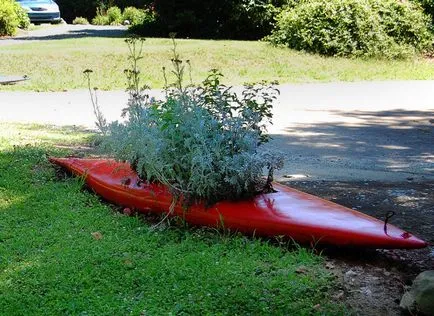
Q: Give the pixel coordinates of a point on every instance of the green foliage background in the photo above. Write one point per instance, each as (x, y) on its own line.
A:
(254, 19)
(372, 28)
(242, 19)
(12, 16)
(70, 9)
(428, 6)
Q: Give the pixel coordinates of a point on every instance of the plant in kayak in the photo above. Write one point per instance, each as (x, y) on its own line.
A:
(200, 141)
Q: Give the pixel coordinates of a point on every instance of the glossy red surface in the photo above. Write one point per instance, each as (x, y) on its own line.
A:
(289, 212)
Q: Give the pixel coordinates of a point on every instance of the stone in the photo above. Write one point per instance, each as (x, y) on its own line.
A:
(420, 298)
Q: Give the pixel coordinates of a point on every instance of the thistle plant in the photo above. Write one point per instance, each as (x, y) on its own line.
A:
(101, 122)
(201, 141)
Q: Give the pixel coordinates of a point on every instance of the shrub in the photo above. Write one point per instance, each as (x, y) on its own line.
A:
(80, 20)
(428, 6)
(201, 142)
(137, 16)
(381, 28)
(241, 19)
(23, 17)
(88, 8)
(101, 18)
(114, 16)
(12, 16)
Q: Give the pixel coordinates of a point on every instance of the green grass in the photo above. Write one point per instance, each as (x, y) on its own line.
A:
(57, 65)
(51, 263)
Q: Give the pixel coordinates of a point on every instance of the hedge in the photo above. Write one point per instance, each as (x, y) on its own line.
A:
(380, 28)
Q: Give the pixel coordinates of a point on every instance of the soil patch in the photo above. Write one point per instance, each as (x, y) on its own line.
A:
(373, 281)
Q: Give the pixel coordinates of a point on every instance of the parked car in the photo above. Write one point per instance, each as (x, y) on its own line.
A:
(41, 10)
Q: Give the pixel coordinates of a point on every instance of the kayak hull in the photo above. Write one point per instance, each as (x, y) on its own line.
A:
(305, 218)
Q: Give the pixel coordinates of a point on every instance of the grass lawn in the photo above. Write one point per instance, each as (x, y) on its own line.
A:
(57, 65)
(63, 251)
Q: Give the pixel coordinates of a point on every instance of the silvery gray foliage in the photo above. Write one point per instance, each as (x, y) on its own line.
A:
(202, 142)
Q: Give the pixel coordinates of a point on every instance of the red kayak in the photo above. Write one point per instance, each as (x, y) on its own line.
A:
(303, 217)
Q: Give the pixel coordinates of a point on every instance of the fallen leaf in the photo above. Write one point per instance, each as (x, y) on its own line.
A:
(97, 235)
(301, 270)
(317, 306)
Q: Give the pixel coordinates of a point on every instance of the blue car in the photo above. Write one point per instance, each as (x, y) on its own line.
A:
(41, 10)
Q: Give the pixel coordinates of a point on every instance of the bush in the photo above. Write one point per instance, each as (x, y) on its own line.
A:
(70, 9)
(137, 16)
(242, 19)
(101, 18)
(80, 20)
(23, 17)
(12, 16)
(428, 6)
(201, 142)
(380, 28)
(114, 16)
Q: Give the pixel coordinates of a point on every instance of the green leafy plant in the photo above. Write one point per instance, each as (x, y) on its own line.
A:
(80, 20)
(372, 28)
(88, 8)
(12, 17)
(137, 16)
(202, 142)
(101, 18)
(114, 15)
(428, 6)
(23, 17)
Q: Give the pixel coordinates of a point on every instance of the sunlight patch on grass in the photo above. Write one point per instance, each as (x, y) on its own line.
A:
(12, 134)
(7, 200)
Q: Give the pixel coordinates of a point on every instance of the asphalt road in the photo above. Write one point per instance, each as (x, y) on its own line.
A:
(380, 131)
